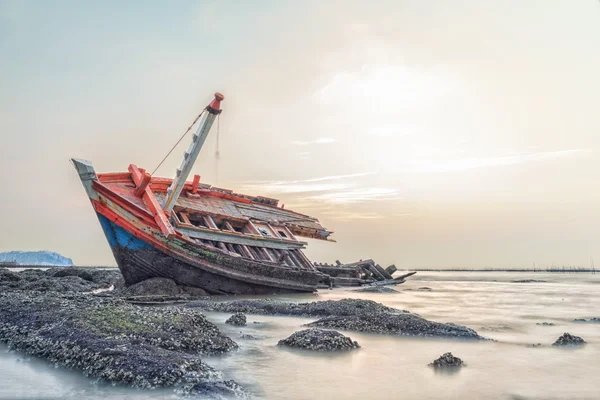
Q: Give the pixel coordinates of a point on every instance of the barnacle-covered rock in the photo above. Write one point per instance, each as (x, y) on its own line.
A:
(447, 360)
(568, 340)
(238, 319)
(319, 340)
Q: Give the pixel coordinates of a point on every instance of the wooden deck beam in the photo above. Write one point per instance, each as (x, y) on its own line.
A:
(157, 212)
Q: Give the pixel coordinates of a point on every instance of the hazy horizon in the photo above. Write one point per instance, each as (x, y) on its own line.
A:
(423, 133)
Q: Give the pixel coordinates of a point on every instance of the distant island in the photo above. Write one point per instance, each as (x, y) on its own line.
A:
(17, 259)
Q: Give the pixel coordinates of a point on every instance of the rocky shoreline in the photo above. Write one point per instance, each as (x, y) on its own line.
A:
(85, 319)
(109, 339)
(63, 280)
(347, 314)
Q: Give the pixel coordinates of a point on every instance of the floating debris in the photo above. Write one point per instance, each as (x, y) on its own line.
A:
(528, 281)
(545, 323)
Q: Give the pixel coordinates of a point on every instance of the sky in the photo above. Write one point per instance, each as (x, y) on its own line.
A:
(428, 134)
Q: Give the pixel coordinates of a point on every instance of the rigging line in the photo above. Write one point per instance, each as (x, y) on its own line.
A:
(180, 139)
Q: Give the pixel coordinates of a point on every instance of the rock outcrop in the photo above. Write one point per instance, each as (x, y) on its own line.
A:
(568, 340)
(160, 287)
(319, 340)
(237, 319)
(314, 309)
(404, 324)
(447, 360)
(587, 320)
(347, 314)
(109, 339)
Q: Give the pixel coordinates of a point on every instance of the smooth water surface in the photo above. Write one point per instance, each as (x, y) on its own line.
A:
(387, 367)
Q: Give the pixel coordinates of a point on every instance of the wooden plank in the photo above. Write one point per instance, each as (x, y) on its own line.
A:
(236, 238)
(210, 222)
(289, 233)
(229, 227)
(266, 254)
(303, 260)
(141, 187)
(185, 218)
(288, 260)
(274, 231)
(246, 252)
(371, 268)
(222, 246)
(296, 259)
(155, 209)
(195, 184)
(252, 228)
(383, 272)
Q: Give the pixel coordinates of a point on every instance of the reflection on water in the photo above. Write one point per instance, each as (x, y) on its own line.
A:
(397, 367)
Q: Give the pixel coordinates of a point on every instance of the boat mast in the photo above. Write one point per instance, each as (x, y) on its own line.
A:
(189, 157)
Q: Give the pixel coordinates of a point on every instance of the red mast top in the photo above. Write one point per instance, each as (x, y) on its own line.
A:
(216, 103)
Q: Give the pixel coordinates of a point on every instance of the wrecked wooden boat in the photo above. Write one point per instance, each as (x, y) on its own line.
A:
(200, 235)
(361, 273)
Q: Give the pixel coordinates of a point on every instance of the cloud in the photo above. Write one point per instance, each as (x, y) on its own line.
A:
(349, 215)
(464, 164)
(303, 186)
(357, 195)
(324, 140)
(333, 190)
(382, 86)
(283, 184)
(392, 131)
(296, 187)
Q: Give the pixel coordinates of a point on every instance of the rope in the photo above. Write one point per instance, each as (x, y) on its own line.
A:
(180, 139)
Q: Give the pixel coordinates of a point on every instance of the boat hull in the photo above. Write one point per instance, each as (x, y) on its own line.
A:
(146, 245)
(138, 261)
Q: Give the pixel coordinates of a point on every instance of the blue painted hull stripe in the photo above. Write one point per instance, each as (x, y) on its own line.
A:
(118, 237)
